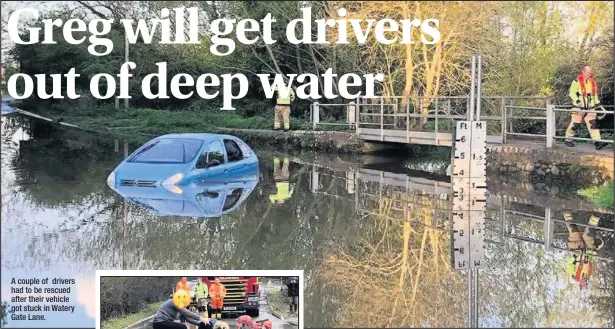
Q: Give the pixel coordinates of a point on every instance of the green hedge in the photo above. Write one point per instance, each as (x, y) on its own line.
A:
(601, 195)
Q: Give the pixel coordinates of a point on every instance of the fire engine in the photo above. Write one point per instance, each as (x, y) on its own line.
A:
(241, 295)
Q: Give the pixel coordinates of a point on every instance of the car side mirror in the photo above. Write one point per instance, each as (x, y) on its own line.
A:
(213, 163)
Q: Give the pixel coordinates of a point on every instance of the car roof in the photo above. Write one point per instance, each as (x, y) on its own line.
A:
(200, 136)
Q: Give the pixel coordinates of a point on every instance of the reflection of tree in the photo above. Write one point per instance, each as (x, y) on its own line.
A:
(601, 295)
(69, 166)
(525, 286)
(398, 273)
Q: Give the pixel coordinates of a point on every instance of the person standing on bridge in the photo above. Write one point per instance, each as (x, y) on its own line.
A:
(200, 294)
(217, 292)
(584, 96)
(283, 100)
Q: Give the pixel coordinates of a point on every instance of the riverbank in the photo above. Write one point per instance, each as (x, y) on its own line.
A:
(525, 160)
(141, 124)
(131, 319)
(278, 304)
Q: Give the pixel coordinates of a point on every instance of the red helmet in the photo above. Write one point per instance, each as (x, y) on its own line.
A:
(245, 321)
(267, 324)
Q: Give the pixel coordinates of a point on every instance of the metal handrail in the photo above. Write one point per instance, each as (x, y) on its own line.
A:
(393, 116)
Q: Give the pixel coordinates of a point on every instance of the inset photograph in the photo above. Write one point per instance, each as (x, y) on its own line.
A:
(199, 299)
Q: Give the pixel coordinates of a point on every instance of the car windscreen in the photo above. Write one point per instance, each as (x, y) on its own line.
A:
(168, 151)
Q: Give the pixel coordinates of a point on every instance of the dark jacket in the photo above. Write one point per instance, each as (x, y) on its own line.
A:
(168, 312)
(293, 287)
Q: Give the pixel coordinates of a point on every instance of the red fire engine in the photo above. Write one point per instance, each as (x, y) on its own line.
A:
(241, 295)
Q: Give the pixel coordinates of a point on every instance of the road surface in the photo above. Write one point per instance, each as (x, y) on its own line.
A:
(264, 314)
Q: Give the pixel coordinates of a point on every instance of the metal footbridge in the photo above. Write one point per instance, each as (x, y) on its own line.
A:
(510, 120)
(523, 120)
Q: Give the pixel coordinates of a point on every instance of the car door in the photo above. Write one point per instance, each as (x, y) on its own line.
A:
(211, 164)
(236, 159)
(211, 201)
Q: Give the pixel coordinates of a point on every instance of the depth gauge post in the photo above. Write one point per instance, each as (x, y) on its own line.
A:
(468, 178)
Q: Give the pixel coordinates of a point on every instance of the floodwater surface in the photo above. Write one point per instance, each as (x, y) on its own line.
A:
(372, 233)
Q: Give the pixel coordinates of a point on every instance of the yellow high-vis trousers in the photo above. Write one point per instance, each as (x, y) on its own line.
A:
(576, 119)
(284, 112)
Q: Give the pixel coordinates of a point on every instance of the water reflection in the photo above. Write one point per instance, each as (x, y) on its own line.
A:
(404, 257)
(203, 198)
(374, 242)
(281, 175)
(579, 265)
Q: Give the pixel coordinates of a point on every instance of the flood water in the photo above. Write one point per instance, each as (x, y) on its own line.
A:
(372, 234)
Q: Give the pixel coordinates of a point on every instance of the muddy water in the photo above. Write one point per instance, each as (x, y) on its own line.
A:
(371, 233)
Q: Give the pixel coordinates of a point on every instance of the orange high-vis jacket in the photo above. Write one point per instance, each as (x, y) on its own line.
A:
(182, 285)
(217, 291)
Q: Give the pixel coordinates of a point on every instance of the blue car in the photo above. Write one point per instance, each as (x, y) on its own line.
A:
(199, 199)
(181, 162)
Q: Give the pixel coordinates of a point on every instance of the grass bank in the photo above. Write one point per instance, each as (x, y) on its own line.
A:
(124, 321)
(602, 196)
(143, 123)
(278, 303)
(152, 122)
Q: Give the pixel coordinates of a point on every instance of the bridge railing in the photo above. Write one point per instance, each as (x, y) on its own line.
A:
(336, 115)
(418, 121)
(556, 119)
(432, 121)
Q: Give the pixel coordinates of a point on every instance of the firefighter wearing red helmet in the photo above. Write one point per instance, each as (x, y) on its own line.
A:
(267, 324)
(245, 322)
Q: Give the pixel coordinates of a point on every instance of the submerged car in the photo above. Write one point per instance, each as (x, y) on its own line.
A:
(188, 174)
(200, 199)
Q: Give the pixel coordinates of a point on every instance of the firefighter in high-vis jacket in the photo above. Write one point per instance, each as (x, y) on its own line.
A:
(283, 99)
(584, 96)
(217, 292)
(281, 176)
(200, 294)
(579, 265)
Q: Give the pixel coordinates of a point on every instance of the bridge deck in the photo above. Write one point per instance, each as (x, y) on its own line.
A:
(413, 137)
(445, 139)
